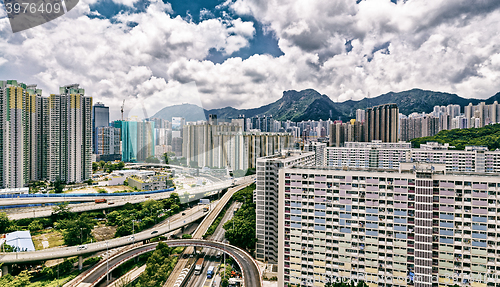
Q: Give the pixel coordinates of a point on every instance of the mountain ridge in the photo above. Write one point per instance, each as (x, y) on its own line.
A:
(309, 104)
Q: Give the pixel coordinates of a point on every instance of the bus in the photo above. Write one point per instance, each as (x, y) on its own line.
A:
(198, 267)
(210, 272)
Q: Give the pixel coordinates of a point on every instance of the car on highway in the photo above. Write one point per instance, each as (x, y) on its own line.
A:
(81, 247)
(154, 232)
(218, 255)
(131, 238)
(183, 213)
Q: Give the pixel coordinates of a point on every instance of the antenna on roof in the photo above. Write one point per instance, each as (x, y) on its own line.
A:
(123, 104)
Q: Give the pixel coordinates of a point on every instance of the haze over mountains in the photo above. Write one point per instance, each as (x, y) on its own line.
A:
(311, 105)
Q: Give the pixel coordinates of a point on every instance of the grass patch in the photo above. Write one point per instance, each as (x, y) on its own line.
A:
(217, 221)
(131, 264)
(52, 236)
(241, 195)
(63, 279)
(178, 250)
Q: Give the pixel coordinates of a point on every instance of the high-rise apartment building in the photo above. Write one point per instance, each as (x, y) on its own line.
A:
(42, 137)
(389, 155)
(100, 118)
(70, 135)
(266, 198)
(319, 150)
(138, 140)
(107, 143)
(226, 145)
(414, 226)
(375, 154)
(21, 124)
(448, 118)
(352, 131)
(382, 123)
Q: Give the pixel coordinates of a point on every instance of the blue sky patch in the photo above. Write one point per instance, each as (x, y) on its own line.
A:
(196, 11)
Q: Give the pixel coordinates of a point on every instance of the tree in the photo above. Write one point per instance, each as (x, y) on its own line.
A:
(152, 159)
(58, 186)
(187, 236)
(7, 248)
(35, 225)
(95, 166)
(152, 206)
(61, 211)
(76, 231)
(165, 158)
(21, 280)
(225, 273)
(4, 222)
(159, 266)
(242, 233)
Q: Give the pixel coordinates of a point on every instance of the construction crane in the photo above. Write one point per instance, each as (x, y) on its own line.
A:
(123, 104)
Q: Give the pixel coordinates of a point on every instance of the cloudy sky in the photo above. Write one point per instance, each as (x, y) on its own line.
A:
(245, 53)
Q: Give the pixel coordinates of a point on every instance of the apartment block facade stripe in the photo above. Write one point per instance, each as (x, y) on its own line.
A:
(43, 138)
(418, 225)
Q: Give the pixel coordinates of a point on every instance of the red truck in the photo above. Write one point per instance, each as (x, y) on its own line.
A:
(101, 200)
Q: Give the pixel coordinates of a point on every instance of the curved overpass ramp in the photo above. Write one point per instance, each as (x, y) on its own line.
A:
(249, 268)
(54, 253)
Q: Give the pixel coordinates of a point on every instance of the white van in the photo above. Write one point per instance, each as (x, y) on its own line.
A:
(81, 247)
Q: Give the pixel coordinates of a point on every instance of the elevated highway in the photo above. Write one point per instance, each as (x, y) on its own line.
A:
(96, 273)
(186, 195)
(62, 252)
(248, 266)
(200, 231)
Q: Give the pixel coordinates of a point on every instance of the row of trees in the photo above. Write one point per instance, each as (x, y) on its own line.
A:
(158, 267)
(486, 136)
(242, 173)
(77, 228)
(142, 216)
(107, 166)
(240, 230)
(21, 280)
(169, 158)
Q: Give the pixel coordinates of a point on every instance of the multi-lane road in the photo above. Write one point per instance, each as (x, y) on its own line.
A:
(53, 253)
(89, 279)
(210, 254)
(31, 212)
(244, 260)
(202, 229)
(251, 275)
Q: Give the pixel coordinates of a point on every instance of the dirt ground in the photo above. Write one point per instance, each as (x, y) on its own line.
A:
(109, 189)
(103, 232)
(49, 239)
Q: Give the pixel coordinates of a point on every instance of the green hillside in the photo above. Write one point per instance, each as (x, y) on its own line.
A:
(310, 105)
(487, 136)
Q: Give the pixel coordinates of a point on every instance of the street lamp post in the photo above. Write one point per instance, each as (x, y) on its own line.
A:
(133, 232)
(107, 261)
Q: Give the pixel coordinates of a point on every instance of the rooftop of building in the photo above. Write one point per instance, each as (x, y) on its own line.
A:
(405, 168)
(287, 154)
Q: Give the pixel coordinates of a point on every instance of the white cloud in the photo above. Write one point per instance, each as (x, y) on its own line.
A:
(448, 46)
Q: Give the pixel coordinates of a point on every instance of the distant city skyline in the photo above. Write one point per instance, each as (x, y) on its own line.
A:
(243, 54)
